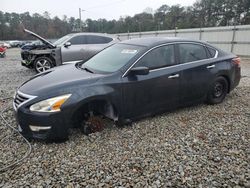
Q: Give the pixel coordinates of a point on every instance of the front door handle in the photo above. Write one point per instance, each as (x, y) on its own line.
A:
(210, 66)
(174, 76)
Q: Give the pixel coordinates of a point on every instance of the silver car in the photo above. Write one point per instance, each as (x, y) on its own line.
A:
(71, 48)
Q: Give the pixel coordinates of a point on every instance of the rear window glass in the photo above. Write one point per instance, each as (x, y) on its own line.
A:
(192, 52)
(98, 39)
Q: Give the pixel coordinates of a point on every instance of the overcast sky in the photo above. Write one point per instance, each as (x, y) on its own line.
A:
(109, 9)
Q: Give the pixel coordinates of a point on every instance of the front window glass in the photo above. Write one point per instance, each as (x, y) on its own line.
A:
(78, 40)
(113, 58)
(159, 57)
(62, 40)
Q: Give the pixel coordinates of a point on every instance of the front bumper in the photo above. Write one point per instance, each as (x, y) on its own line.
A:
(27, 64)
(44, 126)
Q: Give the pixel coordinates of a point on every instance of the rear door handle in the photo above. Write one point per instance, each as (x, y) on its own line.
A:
(174, 76)
(210, 66)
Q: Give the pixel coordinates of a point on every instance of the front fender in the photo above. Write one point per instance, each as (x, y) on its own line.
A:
(95, 93)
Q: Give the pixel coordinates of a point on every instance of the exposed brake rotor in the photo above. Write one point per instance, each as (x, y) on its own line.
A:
(93, 124)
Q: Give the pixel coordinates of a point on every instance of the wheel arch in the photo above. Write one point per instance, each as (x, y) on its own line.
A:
(99, 105)
(228, 81)
(48, 56)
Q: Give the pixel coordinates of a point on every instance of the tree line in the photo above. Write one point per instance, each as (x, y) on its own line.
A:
(203, 13)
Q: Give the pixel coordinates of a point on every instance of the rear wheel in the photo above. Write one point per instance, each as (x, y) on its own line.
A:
(217, 91)
(42, 64)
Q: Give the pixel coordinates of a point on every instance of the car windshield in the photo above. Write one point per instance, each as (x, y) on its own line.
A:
(113, 58)
(62, 40)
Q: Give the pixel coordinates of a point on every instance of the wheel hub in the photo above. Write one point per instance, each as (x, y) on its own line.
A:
(93, 124)
(218, 89)
(42, 65)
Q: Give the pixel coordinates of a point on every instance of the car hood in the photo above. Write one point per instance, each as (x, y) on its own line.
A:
(44, 41)
(58, 79)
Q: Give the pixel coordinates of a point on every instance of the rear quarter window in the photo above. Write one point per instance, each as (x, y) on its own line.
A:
(211, 51)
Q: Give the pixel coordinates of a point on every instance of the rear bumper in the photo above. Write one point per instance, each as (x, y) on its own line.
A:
(236, 76)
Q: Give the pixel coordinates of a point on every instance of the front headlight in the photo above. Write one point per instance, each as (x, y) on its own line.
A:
(50, 105)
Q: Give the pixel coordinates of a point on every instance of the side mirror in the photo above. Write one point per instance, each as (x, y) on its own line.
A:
(139, 70)
(67, 44)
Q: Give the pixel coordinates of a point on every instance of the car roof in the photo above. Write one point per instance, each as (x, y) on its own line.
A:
(154, 41)
(94, 34)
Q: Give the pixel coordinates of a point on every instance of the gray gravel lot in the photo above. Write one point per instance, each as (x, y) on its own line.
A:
(199, 146)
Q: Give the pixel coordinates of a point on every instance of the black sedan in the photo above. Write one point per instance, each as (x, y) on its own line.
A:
(127, 81)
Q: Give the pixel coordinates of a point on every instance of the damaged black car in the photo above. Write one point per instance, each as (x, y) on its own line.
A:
(127, 81)
(68, 49)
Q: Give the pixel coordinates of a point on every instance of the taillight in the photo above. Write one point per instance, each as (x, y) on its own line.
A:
(236, 61)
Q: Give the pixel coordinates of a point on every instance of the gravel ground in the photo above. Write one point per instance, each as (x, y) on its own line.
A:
(199, 146)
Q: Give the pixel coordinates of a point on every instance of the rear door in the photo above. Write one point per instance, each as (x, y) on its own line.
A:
(198, 70)
(157, 91)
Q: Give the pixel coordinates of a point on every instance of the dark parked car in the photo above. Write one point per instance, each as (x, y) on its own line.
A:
(127, 81)
(15, 43)
(33, 45)
(68, 49)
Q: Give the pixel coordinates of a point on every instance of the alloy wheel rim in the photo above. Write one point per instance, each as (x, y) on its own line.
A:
(218, 89)
(42, 65)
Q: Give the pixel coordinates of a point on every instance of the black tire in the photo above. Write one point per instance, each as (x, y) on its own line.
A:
(218, 91)
(42, 64)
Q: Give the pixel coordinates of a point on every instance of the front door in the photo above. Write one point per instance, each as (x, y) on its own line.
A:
(157, 91)
(75, 51)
